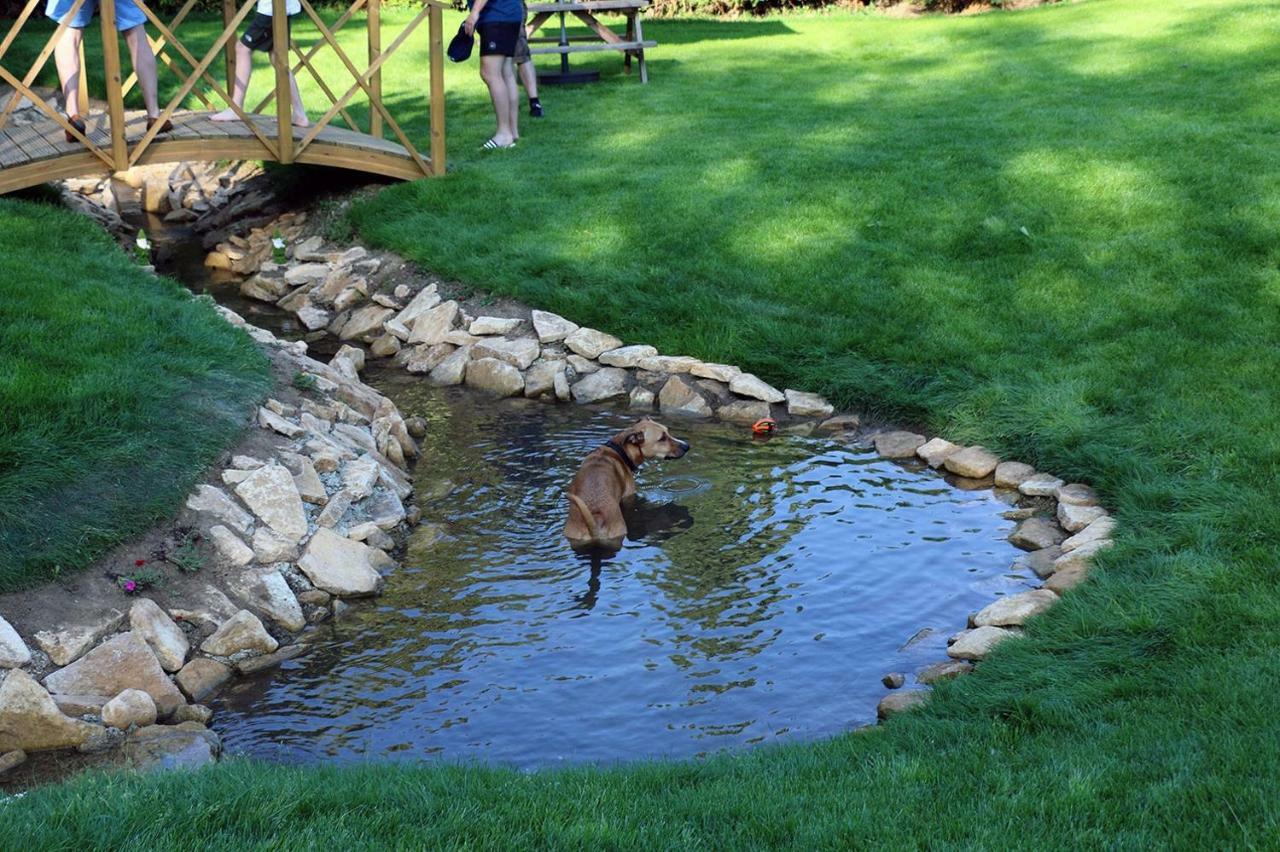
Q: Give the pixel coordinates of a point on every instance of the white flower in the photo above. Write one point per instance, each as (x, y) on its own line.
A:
(277, 242)
(142, 242)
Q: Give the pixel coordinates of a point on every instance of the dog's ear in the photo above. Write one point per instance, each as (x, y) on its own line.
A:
(636, 437)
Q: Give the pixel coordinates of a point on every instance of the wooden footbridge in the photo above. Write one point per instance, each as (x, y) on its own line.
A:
(35, 151)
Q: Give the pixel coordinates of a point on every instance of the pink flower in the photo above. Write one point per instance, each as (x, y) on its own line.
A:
(130, 586)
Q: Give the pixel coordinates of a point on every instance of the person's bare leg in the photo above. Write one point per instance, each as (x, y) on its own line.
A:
(299, 114)
(491, 71)
(144, 65)
(515, 113)
(513, 95)
(66, 55)
(244, 67)
(529, 77)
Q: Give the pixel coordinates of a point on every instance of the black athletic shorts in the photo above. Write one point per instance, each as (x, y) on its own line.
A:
(259, 35)
(498, 38)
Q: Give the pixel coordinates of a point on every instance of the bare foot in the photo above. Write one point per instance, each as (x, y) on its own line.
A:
(227, 114)
(301, 121)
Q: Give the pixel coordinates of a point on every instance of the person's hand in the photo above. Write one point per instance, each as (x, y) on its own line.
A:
(470, 24)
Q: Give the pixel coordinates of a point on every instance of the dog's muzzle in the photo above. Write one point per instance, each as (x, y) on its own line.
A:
(682, 446)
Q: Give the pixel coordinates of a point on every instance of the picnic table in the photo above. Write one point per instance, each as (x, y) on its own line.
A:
(631, 41)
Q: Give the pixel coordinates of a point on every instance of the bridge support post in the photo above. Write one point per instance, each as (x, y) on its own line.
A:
(435, 26)
(284, 93)
(375, 50)
(229, 52)
(115, 93)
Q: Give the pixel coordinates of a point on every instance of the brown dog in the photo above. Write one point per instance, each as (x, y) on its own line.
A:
(607, 477)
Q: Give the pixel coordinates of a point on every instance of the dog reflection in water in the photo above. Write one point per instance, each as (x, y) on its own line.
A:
(647, 522)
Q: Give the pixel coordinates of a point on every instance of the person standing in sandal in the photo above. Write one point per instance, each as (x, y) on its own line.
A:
(259, 36)
(131, 22)
(497, 25)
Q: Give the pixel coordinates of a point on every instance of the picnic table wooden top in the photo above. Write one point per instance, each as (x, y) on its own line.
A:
(589, 6)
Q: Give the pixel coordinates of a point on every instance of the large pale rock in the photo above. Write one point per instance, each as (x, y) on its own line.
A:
(668, 363)
(936, 451)
(425, 358)
(1075, 518)
(494, 377)
(1099, 530)
(403, 322)
(972, 462)
(453, 369)
(745, 384)
(976, 644)
(270, 547)
(1080, 557)
(590, 343)
(68, 644)
(339, 566)
(1040, 485)
(265, 591)
(206, 606)
(746, 411)
(519, 353)
(582, 366)
(1036, 533)
(241, 632)
(122, 662)
(366, 322)
(601, 385)
(1012, 474)
(627, 357)
(1076, 494)
(306, 273)
(130, 707)
(359, 476)
(230, 548)
(552, 327)
(212, 502)
(31, 721)
(677, 397)
(188, 745)
(1014, 610)
(717, 372)
(898, 702)
(202, 677)
(642, 399)
(540, 378)
(13, 651)
(434, 324)
(898, 445)
(802, 404)
(481, 326)
(162, 635)
(271, 495)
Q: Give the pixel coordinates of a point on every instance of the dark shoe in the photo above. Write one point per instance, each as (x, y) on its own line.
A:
(164, 128)
(535, 110)
(78, 123)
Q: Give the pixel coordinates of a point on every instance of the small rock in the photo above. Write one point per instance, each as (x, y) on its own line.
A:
(417, 426)
(267, 661)
(677, 397)
(1012, 474)
(944, 671)
(717, 372)
(306, 273)
(746, 411)
(425, 358)
(130, 707)
(1099, 530)
(494, 325)
(13, 651)
(366, 322)
(385, 346)
(494, 377)
(230, 548)
(745, 384)
(551, 327)
(1040, 485)
(272, 496)
(601, 385)
(194, 713)
(840, 423)
(1041, 562)
(1036, 533)
(434, 324)
(270, 547)
(208, 500)
(801, 404)
(264, 590)
(270, 420)
(242, 632)
(1067, 579)
(1074, 518)
(339, 566)
(582, 366)
(426, 299)
(563, 392)
(898, 445)
(1076, 495)
(11, 760)
(307, 481)
(202, 678)
(590, 343)
(976, 644)
(642, 398)
(314, 597)
(972, 462)
(899, 702)
(1014, 610)
(162, 635)
(518, 353)
(453, 369)
(627, 357)
(936, 451)
(674, 364)
(894, 680)
(1081, 556)
(540, 378)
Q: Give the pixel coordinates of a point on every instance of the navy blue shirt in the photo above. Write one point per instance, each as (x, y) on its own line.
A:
(500, 11)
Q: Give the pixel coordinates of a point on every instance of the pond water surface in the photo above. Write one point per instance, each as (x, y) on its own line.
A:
(764, 590)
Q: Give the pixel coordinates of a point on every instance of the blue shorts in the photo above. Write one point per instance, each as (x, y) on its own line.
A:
(128, 15)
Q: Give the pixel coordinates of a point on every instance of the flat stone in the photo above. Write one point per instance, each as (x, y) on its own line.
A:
(355, 438)
(12, 760)
(306, 273)
(162, 635)
(130, 707)
(627, 357)
(1076, 494)
(458, 337)
(453, 369)
(899, 702)
(1099, 530)
(1074, 518)
(213, 502)
(365, 322)
(339, 566)
(307, 481)
(425, 358)
(494, 377)
(540, 378)
(122, 662)
(206, 606)
(434, 324)
(31, 721)
(271, 495)
(268, 661)
(81, 705)
(385, 510)
(195, 712)
(1012, 474)
(188, 745)
(840, 423)
(13, 651)
(1036, 533)
(1014, 610)
(270, 547)
(717, 372)
(944, 671)
(241, 632)
(976, 644)
(745, 411)
(270, 420)
(582, 366)
(675, 364)
(313, 318)
(1041, 562)
(1040, 485)
(334, 510)
(601, 385)
(229, 547)
(898, 445)
(68, 644)
(264, 289)
(384, 346)
(1067, 579)
(493, 325)
(426, 299)
(265, 591)
(802, 404)
(590, 343)
(314, 597)
(642, 399)
(936, 451)
(552, 327)
(563, 393)
(1081, 556)
(202, 678)
(677, 397)
(745, 384)
(972, 462)
(519, 353)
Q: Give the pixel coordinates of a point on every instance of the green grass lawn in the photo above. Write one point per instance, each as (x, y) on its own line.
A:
(116, 392)
(1056, 232)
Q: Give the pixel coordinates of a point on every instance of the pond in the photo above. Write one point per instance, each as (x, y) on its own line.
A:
(764, 590)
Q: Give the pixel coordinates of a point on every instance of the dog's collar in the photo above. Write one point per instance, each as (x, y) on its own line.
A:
(622, 454)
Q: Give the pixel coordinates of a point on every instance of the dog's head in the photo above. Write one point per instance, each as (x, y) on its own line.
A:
(653, 440)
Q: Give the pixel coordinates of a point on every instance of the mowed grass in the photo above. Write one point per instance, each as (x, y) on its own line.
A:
(116, 390)
(1056, 232)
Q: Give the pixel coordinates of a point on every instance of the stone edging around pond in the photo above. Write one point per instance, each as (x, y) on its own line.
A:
(297, 533)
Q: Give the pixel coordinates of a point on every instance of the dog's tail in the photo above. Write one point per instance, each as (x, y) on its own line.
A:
(587, 518)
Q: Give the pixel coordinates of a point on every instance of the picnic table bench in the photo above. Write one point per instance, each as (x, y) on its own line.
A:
(631, 42)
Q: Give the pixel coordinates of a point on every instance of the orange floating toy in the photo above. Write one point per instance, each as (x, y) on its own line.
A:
(764, 426)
